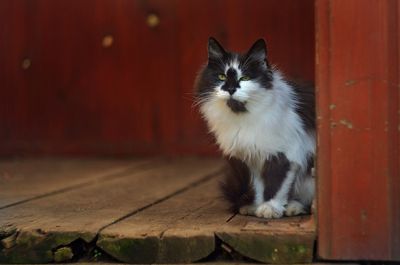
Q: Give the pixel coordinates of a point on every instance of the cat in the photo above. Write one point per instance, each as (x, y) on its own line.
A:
(265, 125)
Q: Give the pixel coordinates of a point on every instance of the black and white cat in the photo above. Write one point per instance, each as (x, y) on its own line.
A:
(265, 125)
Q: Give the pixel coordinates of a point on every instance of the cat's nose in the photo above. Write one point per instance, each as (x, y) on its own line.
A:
(231, 90)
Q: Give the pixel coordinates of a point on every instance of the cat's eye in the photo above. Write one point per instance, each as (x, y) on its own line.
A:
(222, 77)
(244, 78)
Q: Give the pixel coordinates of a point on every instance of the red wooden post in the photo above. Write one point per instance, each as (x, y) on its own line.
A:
(358, 89)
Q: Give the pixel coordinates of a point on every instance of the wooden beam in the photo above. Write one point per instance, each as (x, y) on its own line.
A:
(358, 121)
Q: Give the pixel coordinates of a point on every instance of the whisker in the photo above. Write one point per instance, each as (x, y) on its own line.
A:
(198, 101)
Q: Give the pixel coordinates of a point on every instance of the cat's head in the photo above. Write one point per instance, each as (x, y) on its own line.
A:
(234, 78)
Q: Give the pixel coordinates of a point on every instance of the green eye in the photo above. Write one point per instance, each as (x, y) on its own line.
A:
(244, 78)
(222, 77)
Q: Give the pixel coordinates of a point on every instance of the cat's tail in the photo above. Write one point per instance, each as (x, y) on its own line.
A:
(236, 186)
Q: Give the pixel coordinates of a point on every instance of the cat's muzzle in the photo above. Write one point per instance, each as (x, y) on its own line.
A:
(236, 105)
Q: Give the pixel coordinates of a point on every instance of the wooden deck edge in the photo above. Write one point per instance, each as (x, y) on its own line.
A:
(271, 248)
(158, 249)
(40, 246)
(262, 247)
(37, 246)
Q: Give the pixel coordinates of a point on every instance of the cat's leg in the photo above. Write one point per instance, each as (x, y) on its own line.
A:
(306, 191)
(258, 187)
(303, 195)
(275, 207)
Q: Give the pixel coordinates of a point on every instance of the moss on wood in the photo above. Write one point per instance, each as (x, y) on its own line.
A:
(7, 230)
(176, 249)
(10, 241)
(36, 246)
(171, 249)
(270, 248)
(138, 250)
(63, 254)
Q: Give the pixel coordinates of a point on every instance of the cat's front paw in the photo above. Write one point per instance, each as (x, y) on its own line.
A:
(295, 208)
(270, 209)
(248, 210)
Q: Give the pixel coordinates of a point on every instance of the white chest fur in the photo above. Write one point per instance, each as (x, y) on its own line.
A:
(270, 125)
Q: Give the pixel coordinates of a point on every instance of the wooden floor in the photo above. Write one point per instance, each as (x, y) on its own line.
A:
(134, 211)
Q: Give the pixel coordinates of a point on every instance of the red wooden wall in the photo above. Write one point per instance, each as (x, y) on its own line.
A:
(63, 92)
(358, 94)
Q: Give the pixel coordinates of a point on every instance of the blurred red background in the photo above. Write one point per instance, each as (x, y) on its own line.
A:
(115, 77)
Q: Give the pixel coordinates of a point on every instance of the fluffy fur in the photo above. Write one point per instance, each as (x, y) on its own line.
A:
(265, 125)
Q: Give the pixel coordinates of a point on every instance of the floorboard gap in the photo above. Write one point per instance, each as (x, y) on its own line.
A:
(230, 218)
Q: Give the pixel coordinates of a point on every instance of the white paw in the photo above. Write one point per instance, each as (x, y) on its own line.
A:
(270, 209)
(294, 208)
(247, 210)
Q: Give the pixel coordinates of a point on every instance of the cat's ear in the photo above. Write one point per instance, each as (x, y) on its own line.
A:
(258, 51)
(215, 49)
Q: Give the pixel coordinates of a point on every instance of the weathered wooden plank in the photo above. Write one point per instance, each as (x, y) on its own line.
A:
(21, 180)
(178, 230)
(44, 224)
(284, 241)
(182, 229)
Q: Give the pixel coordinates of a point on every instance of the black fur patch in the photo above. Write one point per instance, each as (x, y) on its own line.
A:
(236, 187)
(310, 165)
(306, 103)
(232, 83)
(236, 106)
(273, 174)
